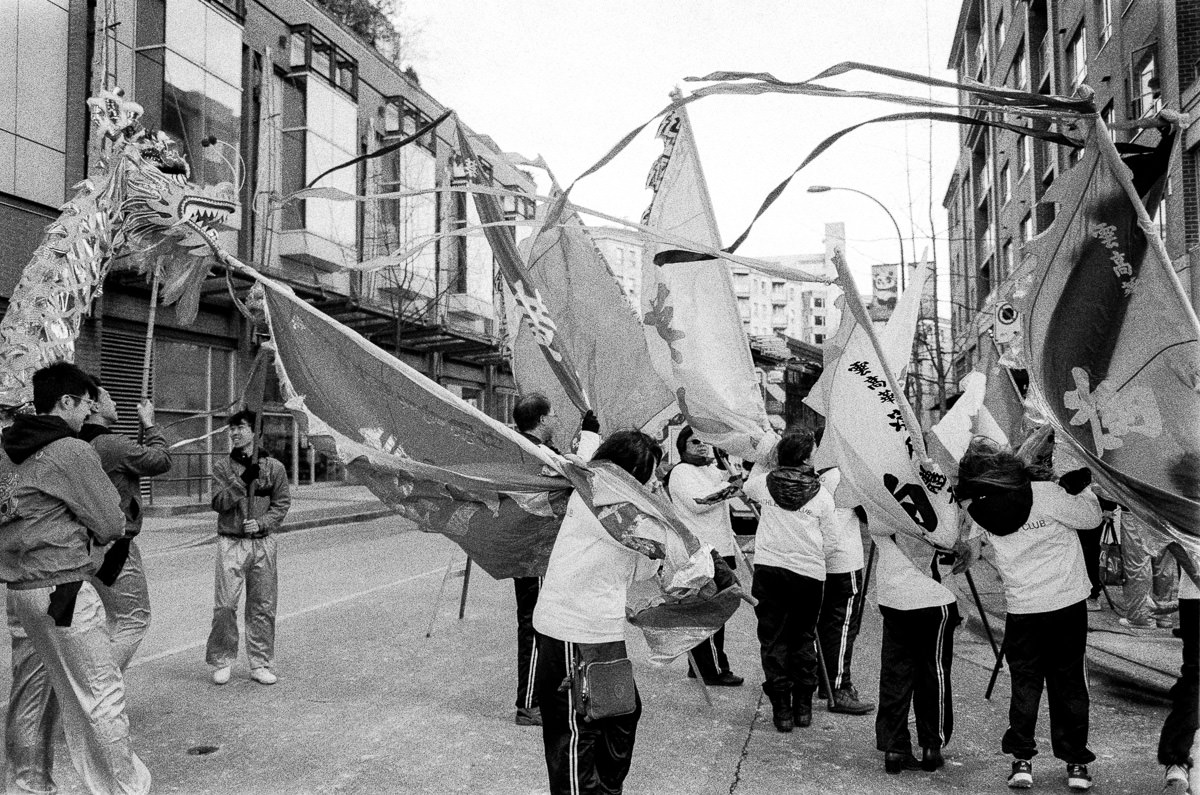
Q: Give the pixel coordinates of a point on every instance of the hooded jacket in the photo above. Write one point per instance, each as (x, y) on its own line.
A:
(798, 538)
(60, 509)
(127, 463)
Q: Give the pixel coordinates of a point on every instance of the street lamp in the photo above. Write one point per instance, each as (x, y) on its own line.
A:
(882, 206)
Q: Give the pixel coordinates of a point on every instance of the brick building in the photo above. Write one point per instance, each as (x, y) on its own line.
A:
(1137, 55)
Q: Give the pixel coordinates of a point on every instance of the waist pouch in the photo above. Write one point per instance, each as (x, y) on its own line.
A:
(602, 681)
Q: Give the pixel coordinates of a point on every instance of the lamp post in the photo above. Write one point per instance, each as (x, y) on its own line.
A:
(882, 206)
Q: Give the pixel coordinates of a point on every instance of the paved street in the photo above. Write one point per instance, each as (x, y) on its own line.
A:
(367, 704)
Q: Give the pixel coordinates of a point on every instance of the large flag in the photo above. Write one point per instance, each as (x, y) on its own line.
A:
(528, 298)
(451, 469)
(595, 328)
(988, 405)
(689, 309)
(866, 434)
(1110, 342)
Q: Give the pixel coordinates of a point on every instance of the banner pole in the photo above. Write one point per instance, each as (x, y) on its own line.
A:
(1109, 150)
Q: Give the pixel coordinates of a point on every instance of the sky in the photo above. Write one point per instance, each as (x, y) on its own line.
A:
(567, 79)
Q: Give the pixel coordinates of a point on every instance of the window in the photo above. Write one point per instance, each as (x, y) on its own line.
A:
(1026, 229)
(401, 119)
(312, 53)
(1106, 116)
(818, 339)
(1006, 260)
(33, 131)
(1021, 68)
(1005, 184)
(983, 285)
(189, 80)
(320, 130)
(1145, 97)
(1104, 18)
(1077, 58)
(818, 302)
(818, 321)
(1001, 31)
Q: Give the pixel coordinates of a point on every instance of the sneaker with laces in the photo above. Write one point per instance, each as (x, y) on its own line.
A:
(1022, 774)
(847, 702)
(1176, 781)
(221, 676)
(1078, 777)
(263, 676)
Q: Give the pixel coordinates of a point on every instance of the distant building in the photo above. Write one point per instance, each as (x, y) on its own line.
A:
(622, 248)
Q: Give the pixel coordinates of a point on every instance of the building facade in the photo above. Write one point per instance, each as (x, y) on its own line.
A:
(1137, 55)
(266, 95)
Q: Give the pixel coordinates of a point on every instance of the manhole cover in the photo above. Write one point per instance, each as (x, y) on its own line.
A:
(202, 750)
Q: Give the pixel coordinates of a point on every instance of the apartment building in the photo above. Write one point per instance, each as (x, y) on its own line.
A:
(1137, 55)
(267, 95)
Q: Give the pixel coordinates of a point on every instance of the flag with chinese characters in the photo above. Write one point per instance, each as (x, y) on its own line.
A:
(527, 297)
(692, 323)
(451, 469)
(1110, 345)
(866, 434)
(596, 328)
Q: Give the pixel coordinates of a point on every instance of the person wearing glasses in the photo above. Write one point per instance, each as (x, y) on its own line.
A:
(251, 498)
(58, 512)
(122, 576)
(692, 481)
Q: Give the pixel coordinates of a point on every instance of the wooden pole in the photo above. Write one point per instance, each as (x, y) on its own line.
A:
(148, 354)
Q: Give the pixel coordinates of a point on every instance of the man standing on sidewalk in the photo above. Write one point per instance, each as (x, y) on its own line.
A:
(250, 496)
(122, 579)
(59, 512)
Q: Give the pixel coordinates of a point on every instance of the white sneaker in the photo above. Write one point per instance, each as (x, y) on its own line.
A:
(263, 676)
(221, 676)
(1176, 781)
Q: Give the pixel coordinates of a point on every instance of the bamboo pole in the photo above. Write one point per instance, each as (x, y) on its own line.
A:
(1109, 151)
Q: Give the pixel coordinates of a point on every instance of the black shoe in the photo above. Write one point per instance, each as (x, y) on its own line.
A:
(845, 701)
(1022, 774)
(896, 762)
(931, 759)
(1078, 777)
(528, 717)
(802, 707)
(781, 710)
(725, 679)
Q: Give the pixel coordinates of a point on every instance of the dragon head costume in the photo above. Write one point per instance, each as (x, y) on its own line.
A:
(139, 203)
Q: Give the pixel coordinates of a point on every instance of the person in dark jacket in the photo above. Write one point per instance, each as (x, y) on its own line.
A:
(251, 498)
(121, 579)
(59, 511)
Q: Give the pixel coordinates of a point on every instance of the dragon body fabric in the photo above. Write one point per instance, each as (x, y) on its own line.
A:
(138, 202)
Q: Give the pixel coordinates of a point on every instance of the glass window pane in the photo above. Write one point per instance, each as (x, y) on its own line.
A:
(223, 48)
(222, 118)
(185, 28)
(296, 54)
(183, 105)
(179, 368)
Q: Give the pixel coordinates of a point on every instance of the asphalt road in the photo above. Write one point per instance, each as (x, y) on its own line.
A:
(367, 704)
